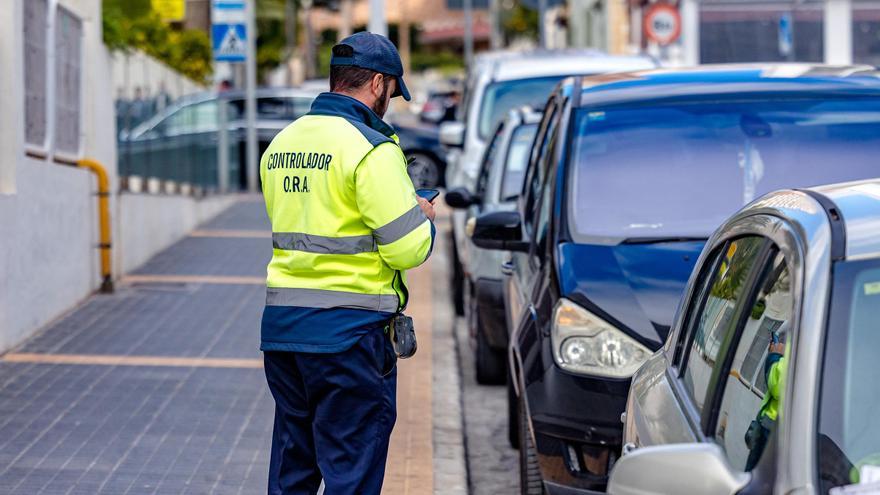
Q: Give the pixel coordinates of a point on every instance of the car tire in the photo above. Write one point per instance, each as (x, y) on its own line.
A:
(512, 415)
(489, 362)
(423, 170)
(530, 481)
(457, 282)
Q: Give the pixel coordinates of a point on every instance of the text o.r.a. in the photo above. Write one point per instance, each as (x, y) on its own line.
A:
(295, 184)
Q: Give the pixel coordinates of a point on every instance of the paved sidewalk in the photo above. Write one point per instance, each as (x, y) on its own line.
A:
(159, 387)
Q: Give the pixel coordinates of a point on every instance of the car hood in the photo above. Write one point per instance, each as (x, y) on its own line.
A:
(635, 286)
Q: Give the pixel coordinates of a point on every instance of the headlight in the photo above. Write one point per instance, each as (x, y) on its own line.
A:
(586, 344)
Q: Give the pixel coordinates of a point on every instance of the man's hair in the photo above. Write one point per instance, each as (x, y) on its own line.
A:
(349, 77)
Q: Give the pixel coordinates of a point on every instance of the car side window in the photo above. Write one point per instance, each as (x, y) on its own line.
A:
(535, 174)
(753, 386)
(489, 157)
(544, 205)
(717, 317)
(697, 297)
(198, 117)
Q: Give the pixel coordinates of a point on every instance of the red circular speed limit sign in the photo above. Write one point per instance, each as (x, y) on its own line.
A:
(662, 23)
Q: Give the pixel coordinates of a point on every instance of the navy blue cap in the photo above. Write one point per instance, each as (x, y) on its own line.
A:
(375, 52)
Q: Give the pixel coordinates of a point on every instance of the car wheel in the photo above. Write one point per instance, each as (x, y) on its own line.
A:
(530, 481)
(457, 282)
(512, 415)
(423, 170)
(489, 361)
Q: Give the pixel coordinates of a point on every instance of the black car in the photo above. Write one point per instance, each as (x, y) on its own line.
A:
(425, 155)
(628, 176)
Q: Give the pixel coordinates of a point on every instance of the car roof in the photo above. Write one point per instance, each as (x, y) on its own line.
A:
(712, 81)
(508, 66)
(857, 204)
(287, 92)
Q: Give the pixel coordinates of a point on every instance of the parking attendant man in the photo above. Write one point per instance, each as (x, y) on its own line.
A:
(346, 224)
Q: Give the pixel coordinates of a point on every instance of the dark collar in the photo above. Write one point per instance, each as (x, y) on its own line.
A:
(340, 105)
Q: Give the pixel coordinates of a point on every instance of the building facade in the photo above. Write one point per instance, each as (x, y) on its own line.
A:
(729, 31)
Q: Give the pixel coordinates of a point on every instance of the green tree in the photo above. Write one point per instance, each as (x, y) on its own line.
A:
(132, 24)
(519, 22)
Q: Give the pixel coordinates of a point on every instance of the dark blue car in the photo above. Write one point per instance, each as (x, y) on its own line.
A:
(629, 174)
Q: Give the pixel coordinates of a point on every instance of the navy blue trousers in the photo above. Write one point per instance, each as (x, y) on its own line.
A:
(333, 418)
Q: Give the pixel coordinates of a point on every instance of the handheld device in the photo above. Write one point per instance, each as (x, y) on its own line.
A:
(429, 194)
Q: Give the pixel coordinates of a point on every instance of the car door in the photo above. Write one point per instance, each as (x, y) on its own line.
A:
(541, 290)
(667, 403)
(522, 271)
(733, 357)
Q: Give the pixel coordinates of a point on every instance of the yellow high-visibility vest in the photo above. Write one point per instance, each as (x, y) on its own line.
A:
(345, 226)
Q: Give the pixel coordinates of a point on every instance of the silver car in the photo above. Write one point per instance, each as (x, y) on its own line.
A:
(768, 381)
(498, 186)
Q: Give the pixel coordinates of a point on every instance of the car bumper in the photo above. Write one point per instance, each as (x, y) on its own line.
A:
(490, 304)
(577, 428)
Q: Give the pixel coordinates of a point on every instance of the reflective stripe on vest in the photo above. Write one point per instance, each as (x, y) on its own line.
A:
(399, 227)
(310, 243)
(320, 298)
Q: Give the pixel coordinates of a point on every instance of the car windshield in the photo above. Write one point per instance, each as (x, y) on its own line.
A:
(848, 443)
(517, 159)
(638, 172)
(501, 97)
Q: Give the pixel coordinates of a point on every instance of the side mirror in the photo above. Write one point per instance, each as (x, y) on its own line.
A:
(452, 134)
(685, 469)
(460, 198)
(501, 230)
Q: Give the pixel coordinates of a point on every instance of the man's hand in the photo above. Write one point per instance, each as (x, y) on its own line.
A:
(427, 207)
(777, 348)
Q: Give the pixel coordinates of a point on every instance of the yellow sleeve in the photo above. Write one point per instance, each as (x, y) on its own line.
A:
(387, 203)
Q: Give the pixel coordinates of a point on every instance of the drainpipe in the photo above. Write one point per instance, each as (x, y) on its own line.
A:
(103, 219)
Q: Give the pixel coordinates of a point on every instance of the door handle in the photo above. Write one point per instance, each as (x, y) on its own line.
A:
(507, 268)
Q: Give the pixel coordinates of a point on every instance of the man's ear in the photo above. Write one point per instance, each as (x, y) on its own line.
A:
(377, 84)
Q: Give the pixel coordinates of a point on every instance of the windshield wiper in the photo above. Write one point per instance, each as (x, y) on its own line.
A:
(660, 240)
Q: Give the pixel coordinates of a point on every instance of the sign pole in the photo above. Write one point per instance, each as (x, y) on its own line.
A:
(542, 23)
(233, 39)
(250, 98)
(378, 22)
(468, 7)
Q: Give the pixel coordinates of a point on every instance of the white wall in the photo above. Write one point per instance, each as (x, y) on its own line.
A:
(150, 223)
(48, 231)
(137, 69)
(49, 261)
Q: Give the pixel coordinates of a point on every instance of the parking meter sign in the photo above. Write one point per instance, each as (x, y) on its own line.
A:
(662, 24)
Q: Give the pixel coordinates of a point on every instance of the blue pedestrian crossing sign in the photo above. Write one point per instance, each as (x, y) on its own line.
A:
(229, 31)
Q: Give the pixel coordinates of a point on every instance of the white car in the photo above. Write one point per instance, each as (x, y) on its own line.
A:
(500, 82)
